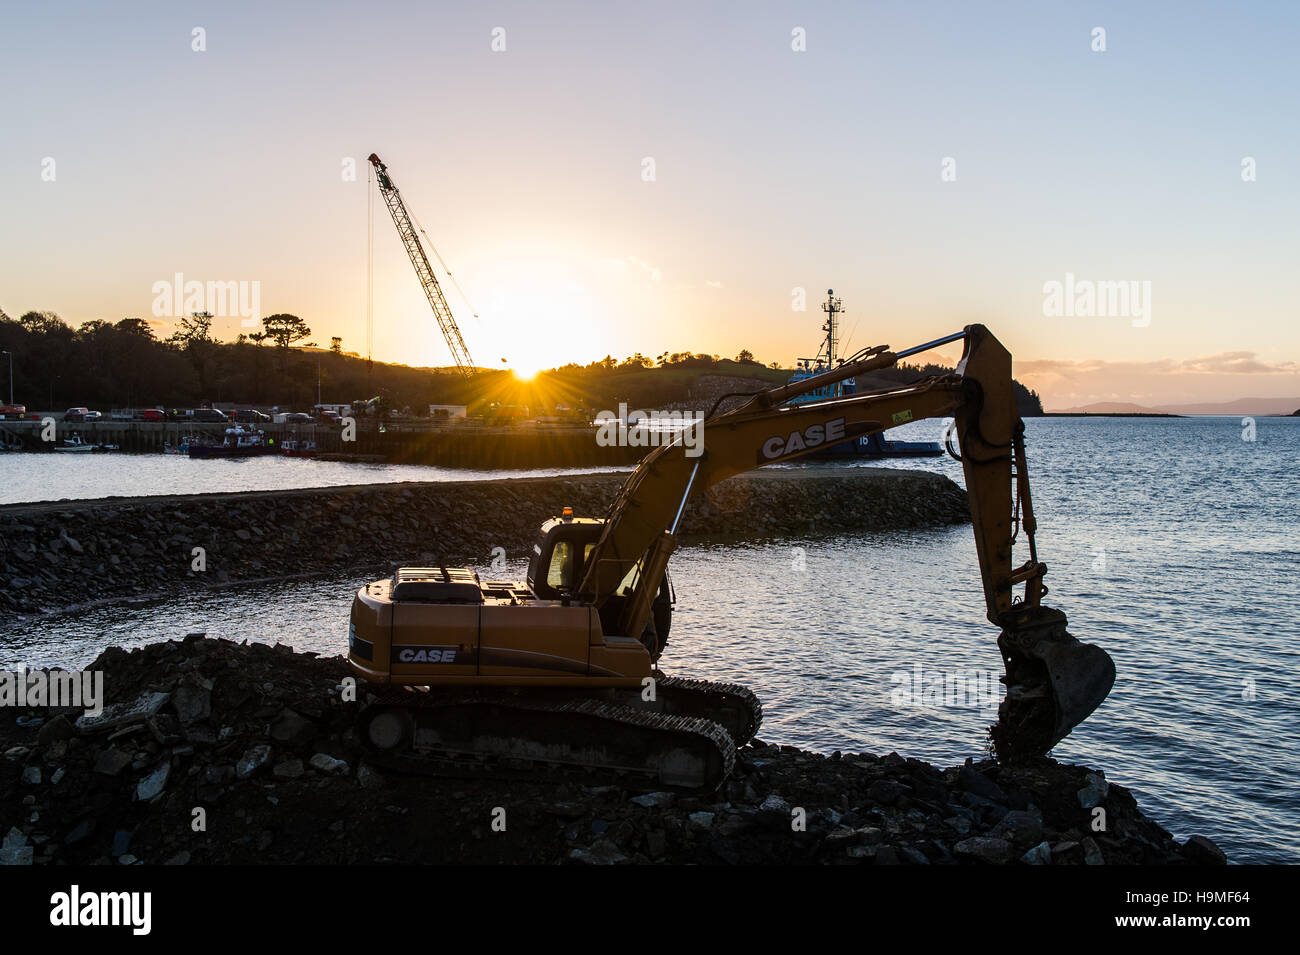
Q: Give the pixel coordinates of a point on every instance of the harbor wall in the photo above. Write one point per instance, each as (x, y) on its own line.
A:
(56, 556)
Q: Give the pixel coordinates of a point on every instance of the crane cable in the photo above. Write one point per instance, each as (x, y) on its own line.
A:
(464, 298)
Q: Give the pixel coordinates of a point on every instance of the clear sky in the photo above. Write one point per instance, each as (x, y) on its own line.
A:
(774, 169)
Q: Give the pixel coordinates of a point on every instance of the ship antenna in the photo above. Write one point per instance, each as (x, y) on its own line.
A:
(832, 308)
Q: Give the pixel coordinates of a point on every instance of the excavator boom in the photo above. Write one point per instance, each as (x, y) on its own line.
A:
(1054, 682)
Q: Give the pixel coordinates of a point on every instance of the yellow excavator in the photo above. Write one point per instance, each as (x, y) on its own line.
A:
(559, 673)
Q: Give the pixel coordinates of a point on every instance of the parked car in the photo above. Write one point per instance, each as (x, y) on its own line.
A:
(75, 414)
(151, 414)
(297, 417)
(91, 416)
(12, 411)
(210, 415)
(331, 417)
(252, 416)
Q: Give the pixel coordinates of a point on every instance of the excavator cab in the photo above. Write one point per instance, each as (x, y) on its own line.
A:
(558, 566)
(559, 555)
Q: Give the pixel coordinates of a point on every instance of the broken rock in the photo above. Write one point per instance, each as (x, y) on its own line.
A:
(253, 759)
(984, 849)
(122, 714)
(153, 784)
(193, 703)
(329, 765)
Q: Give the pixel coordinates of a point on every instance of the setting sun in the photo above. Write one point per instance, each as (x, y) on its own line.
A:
(525, 372)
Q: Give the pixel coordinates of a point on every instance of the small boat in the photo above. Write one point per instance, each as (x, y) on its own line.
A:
(240, 442)
(74, 443)
(187, 442)
(866, 446)
(298, 448)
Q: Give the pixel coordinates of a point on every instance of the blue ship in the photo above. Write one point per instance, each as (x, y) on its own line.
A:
(867, 446)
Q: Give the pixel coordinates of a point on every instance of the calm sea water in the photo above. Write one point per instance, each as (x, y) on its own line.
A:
(55, 477)
(1173, 543)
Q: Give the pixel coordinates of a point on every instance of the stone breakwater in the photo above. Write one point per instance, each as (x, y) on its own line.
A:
(55, 556)
(262, 738)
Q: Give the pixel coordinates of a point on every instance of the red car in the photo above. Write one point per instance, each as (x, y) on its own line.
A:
(151, 414)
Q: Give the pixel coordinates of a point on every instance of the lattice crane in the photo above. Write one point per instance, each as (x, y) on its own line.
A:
(410, 237)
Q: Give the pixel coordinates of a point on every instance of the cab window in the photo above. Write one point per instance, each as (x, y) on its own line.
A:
(559, 575)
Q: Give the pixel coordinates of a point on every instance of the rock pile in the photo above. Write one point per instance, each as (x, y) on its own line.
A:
(216, 752)
(57, 556)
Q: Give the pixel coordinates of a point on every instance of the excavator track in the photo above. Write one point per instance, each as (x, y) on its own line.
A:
(539, 737)
(736, 707)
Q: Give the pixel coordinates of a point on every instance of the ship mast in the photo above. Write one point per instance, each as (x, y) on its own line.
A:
(832, 308)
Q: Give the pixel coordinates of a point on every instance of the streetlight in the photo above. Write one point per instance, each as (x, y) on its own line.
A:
(11, 374)
(313, 345)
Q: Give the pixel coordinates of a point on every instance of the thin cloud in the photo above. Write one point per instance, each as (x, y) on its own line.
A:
(1224, 363)
(650, 270)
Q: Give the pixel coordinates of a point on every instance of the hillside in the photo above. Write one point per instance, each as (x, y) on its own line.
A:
(104, 365)
(1248, 406)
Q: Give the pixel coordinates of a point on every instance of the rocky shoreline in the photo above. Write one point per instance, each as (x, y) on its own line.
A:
(217, 752)
(67, 554)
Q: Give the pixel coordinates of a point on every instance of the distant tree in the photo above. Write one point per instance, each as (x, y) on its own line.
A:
(336, 345)
(745, 356)
(284, 329)
(136, 326)
(193, 336)
(43, 323)
(195, 329)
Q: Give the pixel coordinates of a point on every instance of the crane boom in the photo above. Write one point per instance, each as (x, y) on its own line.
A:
(424, 271)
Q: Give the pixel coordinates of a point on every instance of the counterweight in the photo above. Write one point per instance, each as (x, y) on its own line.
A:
(411, 239)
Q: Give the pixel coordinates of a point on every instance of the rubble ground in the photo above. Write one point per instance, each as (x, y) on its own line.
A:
(210, 751)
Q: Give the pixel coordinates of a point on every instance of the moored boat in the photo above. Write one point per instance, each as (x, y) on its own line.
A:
(75, 443)
(298, 448)
(869, 445)
(240, 442)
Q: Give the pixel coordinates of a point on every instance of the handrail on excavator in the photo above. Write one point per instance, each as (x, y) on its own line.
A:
(954, 337)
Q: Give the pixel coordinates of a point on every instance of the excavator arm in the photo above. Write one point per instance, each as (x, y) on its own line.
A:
(1053, 681)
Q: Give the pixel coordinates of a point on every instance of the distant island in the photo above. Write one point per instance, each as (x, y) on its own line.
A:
(1241, 406)
(1110, 414)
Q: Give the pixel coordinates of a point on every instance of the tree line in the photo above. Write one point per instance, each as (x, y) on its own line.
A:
(104, 365)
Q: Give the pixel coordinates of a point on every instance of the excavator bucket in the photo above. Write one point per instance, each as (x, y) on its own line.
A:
(1053, 682)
